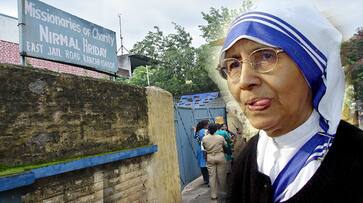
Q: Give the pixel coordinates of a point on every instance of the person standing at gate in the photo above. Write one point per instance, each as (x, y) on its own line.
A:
(228, 150)
(216, 163)
(223, 131)
(200, 132)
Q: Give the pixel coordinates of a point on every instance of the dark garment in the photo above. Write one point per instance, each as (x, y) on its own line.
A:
(338, 179)
(205, 174)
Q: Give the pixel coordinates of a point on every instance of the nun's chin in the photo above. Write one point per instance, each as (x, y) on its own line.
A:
(270, 126)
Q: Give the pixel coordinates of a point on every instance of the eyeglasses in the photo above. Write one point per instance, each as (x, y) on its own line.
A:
(262, 60)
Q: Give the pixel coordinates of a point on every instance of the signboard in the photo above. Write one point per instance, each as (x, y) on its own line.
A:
(52, 34)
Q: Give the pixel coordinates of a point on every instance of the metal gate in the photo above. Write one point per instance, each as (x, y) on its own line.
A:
(185, 120)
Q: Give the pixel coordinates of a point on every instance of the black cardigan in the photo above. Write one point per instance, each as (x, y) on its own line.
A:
(338, 179)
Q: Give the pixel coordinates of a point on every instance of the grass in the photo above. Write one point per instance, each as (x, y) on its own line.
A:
(13, 170)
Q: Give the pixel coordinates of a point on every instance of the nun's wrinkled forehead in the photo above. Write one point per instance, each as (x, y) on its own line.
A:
(301, 31)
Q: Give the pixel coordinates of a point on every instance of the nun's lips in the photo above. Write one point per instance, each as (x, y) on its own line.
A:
(258, 104)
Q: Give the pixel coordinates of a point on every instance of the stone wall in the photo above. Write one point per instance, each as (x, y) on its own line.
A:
(46, 116)
(122, 181)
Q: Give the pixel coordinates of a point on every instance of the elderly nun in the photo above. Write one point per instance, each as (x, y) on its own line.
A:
(282, 65)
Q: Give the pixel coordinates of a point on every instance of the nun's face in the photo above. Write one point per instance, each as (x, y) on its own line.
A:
(277, 101)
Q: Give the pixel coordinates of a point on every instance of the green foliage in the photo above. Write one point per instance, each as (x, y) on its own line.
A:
(182, 68)
(179, 63)
(352, 60)
(152, 45)
(218, 20)
(122, 79)
(357, 80)
(139, 76)
(352, 49)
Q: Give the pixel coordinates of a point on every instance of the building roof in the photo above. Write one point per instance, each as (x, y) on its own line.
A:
(9, 28)
(131, 61)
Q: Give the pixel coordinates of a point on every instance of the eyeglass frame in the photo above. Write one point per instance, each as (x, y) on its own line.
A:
(223, 71)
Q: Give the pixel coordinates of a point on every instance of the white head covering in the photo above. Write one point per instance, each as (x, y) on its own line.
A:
(309, 39)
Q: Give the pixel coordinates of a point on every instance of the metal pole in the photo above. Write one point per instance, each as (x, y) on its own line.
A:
(121, 38)
(147, 76)
(21, 24)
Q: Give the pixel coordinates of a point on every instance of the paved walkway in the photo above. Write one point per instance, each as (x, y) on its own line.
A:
(198, 192)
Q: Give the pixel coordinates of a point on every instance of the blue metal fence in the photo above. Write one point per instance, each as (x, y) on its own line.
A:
(185, 120)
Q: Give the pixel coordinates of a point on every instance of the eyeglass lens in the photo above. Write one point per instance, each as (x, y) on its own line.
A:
(263, 60)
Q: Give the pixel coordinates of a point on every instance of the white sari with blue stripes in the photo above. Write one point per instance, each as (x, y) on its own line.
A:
(313, 43)
(274, 153)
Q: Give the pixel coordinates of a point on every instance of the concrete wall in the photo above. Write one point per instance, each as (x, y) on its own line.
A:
(47, 116)
(164, 169)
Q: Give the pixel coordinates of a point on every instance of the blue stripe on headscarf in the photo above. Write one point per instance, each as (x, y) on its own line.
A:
(288, 25)
(290, 35)
(309, 68)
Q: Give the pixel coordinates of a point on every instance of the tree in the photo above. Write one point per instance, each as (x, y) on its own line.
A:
(177, 70)
(152, 45)
(182, 69)
(352, 60)
(218, 21)
(139, 76)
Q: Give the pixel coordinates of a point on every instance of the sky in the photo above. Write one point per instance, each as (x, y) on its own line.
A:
(140, 16)
(137, 16)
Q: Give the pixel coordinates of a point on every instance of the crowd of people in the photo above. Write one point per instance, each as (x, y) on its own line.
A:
(215, 155)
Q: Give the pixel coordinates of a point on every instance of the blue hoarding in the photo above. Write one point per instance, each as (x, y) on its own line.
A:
(197, 100)
(52, 34)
